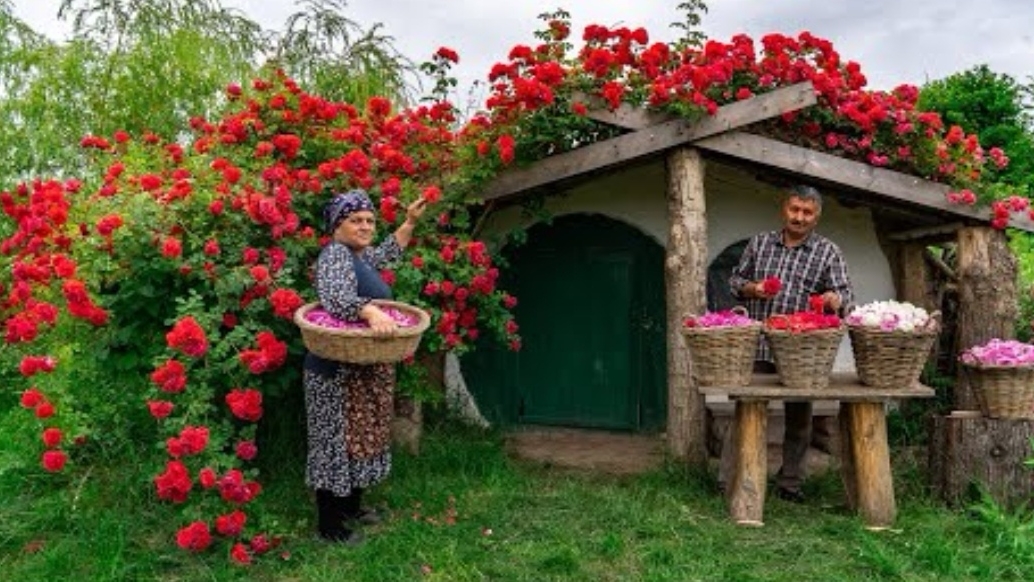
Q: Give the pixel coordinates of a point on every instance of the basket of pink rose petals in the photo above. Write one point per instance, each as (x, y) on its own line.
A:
(353, 342)
(721, 346)
(1001, 373)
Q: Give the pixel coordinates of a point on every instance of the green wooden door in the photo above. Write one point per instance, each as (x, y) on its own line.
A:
(591, 311)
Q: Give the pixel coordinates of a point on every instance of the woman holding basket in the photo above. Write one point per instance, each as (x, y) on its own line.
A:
(349, 407)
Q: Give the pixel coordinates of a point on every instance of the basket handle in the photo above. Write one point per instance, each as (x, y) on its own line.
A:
(740, 310)
(934, 321)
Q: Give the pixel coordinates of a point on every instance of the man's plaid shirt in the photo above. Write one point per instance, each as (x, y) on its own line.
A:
(810, 268)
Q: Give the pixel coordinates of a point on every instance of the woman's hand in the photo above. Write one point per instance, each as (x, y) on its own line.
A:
(415, 210)
(381, 324)
(404, 233)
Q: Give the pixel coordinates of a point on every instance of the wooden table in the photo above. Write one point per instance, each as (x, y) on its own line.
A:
(865, 463)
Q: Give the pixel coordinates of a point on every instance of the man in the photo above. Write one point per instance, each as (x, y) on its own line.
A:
(806, 264)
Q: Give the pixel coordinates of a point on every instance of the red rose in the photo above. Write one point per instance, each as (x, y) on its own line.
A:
(196, 537)
(188, 337)
(44, 410)
(54, 461)
(159, 408)
(245, 404)
(246, 450)
(817, 303)
(432, 194)
(52, 437)
(231, 524)
(31, 398)
(771, 285)
(239, 553)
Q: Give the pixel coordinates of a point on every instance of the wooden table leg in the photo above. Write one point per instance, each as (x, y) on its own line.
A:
(847, 471)
(750, 469)
(873, 481)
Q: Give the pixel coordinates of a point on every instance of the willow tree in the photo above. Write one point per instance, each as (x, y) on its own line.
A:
(338, 58)
(149, 65)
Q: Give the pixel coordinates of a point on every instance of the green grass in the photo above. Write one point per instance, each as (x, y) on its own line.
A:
(463, 510)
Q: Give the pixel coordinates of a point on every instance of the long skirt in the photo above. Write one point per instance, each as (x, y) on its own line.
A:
(349, 409)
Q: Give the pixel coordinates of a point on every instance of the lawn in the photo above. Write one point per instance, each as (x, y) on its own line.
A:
(464, 510)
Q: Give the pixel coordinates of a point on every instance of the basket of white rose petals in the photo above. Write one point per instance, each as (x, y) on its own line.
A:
(891, 341)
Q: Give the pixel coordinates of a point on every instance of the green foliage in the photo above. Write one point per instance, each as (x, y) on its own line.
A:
(464, 510)
(692, 35)
(992, 106)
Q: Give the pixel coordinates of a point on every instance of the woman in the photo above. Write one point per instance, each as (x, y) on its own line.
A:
(349, 406)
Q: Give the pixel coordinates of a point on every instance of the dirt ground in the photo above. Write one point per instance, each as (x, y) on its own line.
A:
(599, 451)
(617, 453)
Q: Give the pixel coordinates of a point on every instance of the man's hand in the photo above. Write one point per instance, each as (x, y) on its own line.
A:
(756, 289)
(831, 300)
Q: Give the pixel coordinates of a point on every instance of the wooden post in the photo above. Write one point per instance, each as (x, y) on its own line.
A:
(915, 282)
(750, 473)
(870, 459)
(987, 296)
(848, 475)
(967, 452)
(685, 269)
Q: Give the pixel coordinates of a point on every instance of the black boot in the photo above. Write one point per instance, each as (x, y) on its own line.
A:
(331, 519)
(356, 513)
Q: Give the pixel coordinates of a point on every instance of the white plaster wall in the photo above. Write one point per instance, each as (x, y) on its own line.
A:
(737, 207)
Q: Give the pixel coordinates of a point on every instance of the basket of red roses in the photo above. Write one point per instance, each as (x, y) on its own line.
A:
(353, 342)
(804, 345)
(721, 346)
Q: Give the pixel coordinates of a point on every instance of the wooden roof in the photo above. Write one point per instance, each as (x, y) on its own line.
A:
(651, 134)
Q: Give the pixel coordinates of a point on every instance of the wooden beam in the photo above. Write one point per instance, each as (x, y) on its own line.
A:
(645, 142)
(901, 187)
(941, 266)
(625, 116)
(938, 232)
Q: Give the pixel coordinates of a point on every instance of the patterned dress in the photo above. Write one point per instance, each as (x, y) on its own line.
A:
(349, 406)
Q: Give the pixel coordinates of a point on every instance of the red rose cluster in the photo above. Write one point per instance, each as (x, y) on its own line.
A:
(805, 321)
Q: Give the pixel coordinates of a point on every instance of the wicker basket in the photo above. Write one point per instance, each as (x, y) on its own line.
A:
(892, 359)
(1003, 391)
(359, 345)
(804, 359)
(722, 356)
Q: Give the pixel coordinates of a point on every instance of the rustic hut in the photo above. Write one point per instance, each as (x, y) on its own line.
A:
(639, 223)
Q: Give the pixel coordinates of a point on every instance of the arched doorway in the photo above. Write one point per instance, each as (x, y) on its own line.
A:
(591, 308)
(719, 296)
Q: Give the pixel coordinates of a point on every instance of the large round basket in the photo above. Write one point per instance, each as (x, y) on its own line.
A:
(722, 356)
(804, 359)
(359, 345)
(1003, 391)
(891, 359)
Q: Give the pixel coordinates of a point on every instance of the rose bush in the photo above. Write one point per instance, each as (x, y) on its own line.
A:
(540, 97)
(191, 258)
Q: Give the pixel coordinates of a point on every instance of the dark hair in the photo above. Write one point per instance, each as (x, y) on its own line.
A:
(805, 192)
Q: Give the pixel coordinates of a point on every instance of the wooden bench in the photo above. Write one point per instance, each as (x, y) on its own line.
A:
(865, 462)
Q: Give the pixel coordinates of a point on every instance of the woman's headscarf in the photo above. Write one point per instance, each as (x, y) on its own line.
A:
(341, 205)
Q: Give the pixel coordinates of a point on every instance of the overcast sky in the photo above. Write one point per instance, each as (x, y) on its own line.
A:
(895, 41)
